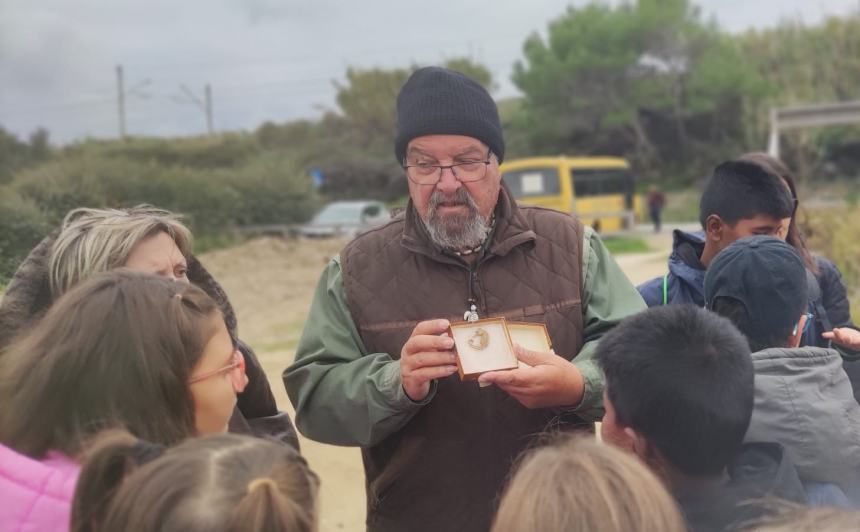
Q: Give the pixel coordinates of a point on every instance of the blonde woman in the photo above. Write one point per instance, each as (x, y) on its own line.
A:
(142, 238)
(579, 484)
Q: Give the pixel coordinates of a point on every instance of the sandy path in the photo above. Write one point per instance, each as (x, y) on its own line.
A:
(271, 283)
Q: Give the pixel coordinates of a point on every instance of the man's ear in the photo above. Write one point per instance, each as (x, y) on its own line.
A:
(714, 227)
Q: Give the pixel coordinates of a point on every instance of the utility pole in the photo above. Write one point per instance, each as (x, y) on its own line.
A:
(205, 104)
(209, 109)
(120, 92)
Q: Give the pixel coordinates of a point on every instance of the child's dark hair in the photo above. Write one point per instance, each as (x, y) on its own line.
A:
(116, 350)
(736, 312)
(795, 236)
(225, 483)
(738, 190)
(682, 377)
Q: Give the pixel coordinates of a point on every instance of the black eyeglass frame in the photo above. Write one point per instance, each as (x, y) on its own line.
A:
(442, 167)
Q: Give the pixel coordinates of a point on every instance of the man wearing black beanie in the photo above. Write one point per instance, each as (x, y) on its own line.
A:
(374, 367)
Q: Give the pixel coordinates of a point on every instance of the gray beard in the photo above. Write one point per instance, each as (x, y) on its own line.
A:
(458, 232)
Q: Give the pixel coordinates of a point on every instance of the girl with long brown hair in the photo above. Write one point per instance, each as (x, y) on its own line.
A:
(122, 349)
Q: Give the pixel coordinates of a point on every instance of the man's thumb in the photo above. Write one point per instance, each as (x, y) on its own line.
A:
(532, 358)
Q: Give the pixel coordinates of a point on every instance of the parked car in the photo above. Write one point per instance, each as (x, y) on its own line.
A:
(345, 219)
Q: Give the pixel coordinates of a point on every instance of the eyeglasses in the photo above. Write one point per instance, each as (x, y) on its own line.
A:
(809, 317)
(236, 370)
(430, 174)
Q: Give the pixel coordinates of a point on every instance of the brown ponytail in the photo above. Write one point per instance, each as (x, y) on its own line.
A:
(266, 506)
(109, 460)
(243, 483)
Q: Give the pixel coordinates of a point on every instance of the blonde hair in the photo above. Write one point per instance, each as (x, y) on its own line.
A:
(579, 484)
(785, 516)
(97, 240)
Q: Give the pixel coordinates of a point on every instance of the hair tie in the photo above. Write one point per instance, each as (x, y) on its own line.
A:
(144, 451)
(260, 482)
(178, 295)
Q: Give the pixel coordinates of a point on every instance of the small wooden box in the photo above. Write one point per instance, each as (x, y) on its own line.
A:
(482, 346)
(532, 336)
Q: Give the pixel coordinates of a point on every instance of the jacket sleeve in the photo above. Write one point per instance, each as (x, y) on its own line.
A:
(652, 292)
(342, 394)
(608, 297)
(834, 298)
(257, 407)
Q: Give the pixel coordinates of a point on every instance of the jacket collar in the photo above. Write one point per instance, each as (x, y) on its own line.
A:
(511, 230)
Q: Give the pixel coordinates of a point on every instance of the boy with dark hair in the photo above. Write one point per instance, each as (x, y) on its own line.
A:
(803, 398)
(741, 199)
(679, 394)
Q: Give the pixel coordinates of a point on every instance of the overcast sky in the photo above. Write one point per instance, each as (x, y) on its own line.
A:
(265, 59)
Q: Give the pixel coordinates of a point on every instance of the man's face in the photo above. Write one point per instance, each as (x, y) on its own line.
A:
(446, 207)
(757, 225)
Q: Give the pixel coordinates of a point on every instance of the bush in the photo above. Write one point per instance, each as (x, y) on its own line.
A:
(268, 189)
(222, 151)
(22, 226)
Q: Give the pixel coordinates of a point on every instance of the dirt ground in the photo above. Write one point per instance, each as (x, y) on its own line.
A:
(270, 283)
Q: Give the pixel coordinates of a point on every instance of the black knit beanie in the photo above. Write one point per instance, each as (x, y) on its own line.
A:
(440, 101)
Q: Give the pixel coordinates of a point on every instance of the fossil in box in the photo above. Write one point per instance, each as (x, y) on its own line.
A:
(482, 346)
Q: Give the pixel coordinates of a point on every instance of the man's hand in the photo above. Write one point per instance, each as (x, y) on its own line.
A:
(844, 336)
(426, 356)
(549, 380)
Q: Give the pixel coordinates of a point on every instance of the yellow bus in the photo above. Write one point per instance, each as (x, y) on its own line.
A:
(600, 191)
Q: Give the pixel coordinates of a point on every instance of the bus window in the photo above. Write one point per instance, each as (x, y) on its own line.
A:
(603, 182)
(532, 182)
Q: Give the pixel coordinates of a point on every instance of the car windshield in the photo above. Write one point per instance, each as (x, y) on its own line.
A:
(339, 213)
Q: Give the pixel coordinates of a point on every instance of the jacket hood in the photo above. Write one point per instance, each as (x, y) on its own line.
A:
(766, 469)
(28, 295)
(684, 260)
(37, 494)
(804, 400)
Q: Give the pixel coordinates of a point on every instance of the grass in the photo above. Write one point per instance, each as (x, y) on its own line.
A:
(833, 232)
(619, 245)
(681, 206)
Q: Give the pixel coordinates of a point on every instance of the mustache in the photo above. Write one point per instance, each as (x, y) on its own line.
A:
(461, 197)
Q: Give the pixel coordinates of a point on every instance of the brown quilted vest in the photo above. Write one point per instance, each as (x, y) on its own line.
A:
(444, 470)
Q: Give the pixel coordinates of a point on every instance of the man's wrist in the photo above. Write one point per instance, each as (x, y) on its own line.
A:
(575, 387)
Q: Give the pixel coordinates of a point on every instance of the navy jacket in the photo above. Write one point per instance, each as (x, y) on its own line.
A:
(685, 282)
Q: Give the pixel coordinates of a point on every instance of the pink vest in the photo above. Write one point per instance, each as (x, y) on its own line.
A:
(36, 495)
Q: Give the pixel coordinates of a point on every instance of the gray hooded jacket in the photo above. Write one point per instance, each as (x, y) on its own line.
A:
(804, 400)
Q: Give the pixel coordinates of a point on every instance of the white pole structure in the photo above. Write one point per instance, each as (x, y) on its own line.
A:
(816, 115)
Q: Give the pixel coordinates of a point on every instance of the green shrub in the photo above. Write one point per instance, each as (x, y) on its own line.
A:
(268, 189)
(22, 226)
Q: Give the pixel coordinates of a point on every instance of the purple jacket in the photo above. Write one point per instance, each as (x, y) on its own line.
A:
(37, 495)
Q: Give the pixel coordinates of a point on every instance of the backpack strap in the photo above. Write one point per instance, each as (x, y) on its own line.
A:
(666, 289)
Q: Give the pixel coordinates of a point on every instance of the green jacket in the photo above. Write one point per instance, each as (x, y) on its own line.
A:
(344, 395)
